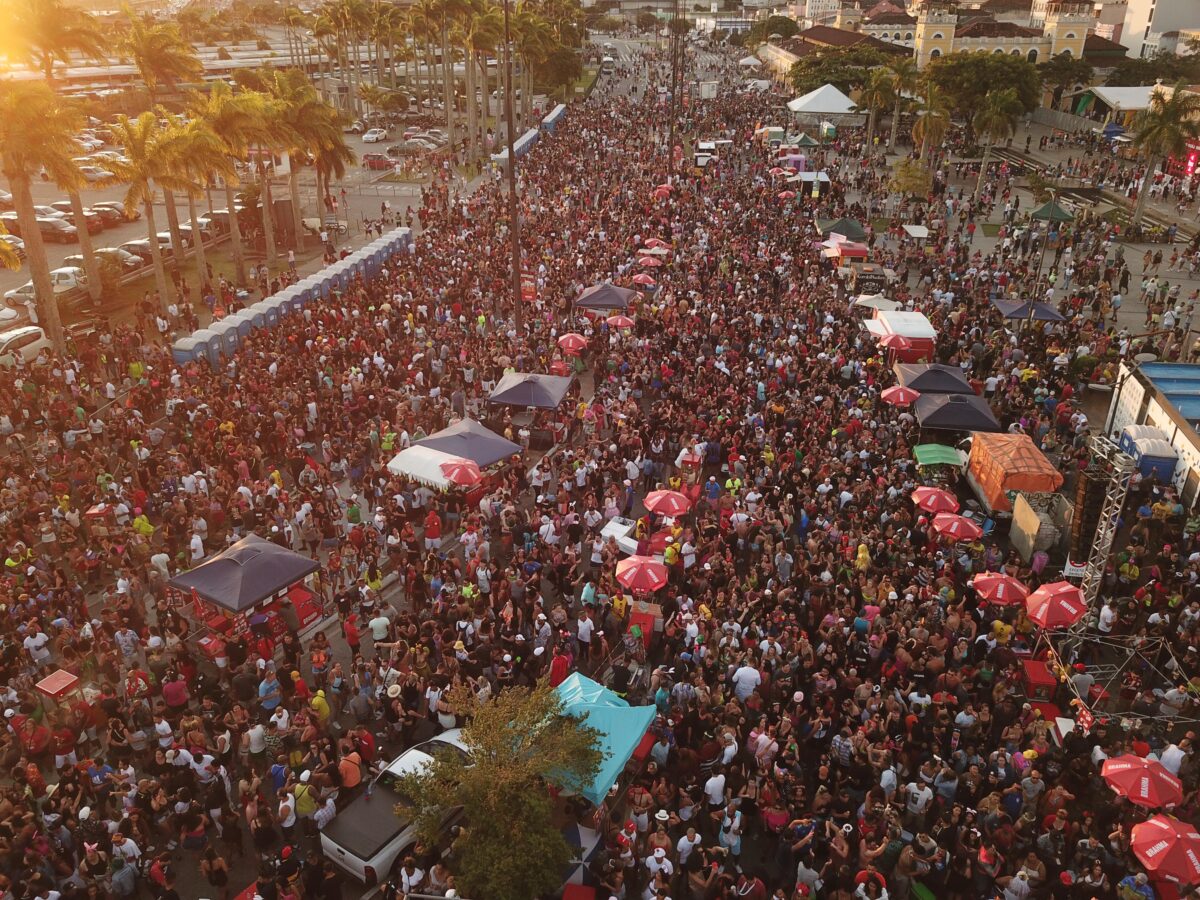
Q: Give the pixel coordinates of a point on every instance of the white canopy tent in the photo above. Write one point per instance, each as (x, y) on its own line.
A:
(423, 465)
(824, 101)
(750, 62)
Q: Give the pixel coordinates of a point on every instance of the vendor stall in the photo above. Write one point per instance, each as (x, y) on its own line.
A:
(954, 412)
(253, 586)
(1002, 464)
(914, 326)
(469, 439)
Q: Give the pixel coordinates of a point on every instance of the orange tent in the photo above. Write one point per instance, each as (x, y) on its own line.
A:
(1001, 463)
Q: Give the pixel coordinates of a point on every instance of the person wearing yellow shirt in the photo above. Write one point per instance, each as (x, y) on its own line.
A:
(141, 524)
(1001, 632)
(320, 706)
(671, 553)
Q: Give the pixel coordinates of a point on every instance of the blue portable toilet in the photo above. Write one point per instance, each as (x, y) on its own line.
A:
(295, 298)
(270, 311)
(1151, 451)
(241, 322)
(227, 333)
(184, 350)
(255, 316)
(209, 345)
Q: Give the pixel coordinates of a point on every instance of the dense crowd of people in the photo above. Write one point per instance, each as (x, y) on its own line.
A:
(840, 715)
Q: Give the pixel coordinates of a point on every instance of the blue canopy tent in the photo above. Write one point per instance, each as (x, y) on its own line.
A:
(468, 439)
(1028, 309)
(619, 725)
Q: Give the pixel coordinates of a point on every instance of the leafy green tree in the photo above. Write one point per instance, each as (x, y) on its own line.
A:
(44, 32)
(1163, 66)
(1163, 129)
(780, 25)
(519, 742)
(933, 119)
(162, 56)
(561, 67)
(904, 78)
(995, 120)
(1064, 71)
(646, 20)
(910, 178)
(846, 69)
(966, 77)
(1039, 186)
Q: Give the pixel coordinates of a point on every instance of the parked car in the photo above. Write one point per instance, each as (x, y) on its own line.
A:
(6, 200)
(49, 212)
(220, 219)
(375, 135)
(355, 127)
(95, 221)
(123, 259)
(15, 242)
(129, 215)
(185, 238)
(58, 231)
(367, 837)
(376, 161)
(63, 280)
(111, 218)
(141, 249)
(26, 341)
(95, 173)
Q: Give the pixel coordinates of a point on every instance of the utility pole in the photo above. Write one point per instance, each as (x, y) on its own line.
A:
(675, 43)
(514, 221)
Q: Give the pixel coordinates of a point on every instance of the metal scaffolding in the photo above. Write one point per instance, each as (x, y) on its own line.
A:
(1118, 466)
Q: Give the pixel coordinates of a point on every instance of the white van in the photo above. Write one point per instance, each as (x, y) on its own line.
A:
(606, 65)
(68, 278)
(367, 837)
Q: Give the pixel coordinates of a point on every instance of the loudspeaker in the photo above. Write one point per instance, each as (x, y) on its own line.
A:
(1089, 502)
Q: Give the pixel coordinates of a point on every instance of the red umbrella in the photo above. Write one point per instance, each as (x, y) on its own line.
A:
(786, 195)
(776, 170)
(1142, 781)
(661, 194)
(668, 503)
(464, 472)
(954, 526)
(1168, 847)
(572, 343)
(643, 279)
(895, 342)
(642, 574)
(559, 367)
(656, 242)
(935, 500)
(1056, 605)
(619, 321)
(665, 187)
(998, 588)
(650, 261)
(901, 396)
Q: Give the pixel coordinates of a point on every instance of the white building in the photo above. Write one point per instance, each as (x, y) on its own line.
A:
(820, 12)
(1146, 21)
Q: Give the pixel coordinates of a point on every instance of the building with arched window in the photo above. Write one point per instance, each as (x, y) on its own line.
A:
(942, 27)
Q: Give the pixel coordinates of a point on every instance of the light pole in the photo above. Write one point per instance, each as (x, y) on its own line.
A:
(674, 42)
(514, 221)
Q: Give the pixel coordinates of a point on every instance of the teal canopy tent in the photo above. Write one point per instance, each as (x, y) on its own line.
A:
(619, 725)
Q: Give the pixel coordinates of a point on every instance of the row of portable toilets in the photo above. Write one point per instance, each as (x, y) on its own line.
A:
(220, 340)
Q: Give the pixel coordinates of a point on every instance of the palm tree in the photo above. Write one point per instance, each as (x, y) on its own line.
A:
(202, 156)
(933, 120)
(904, 80)
(161, 55)
(330, 162)
(534, 38)
(9, 258)
(995, 120)
(305, 125)
(448, 12)
(49, 31)
(37, 129)
(234, 119)
(484, 31)
(1164, 129)
(157, 157)
(878, 93)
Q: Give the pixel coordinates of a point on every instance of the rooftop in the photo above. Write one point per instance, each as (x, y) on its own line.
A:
(898, 17)
(1096, 45)
(983, 28)
(826, 36)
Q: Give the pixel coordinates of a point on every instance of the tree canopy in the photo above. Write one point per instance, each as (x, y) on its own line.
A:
(965, 78)
(1064, 71)
(519, 741)
(846, 69)
(780, 25)
(1163, 66)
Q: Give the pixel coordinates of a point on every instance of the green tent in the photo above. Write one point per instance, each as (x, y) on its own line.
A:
(805, 141)
(848, 228)
(936, 455)
(1051, 212)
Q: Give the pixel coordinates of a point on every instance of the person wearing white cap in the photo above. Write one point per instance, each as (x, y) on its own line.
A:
(657, 862)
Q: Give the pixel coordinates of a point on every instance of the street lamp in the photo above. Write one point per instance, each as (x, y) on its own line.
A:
(514, 221)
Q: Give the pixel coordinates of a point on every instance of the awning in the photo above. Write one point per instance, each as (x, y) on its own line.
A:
(749, 62)
(245, 574)
(937, 455)
(850, 229)
(1051, 212)
(824, 101)
(620, 728)
(1039, 312)
(605, 296)
(916, 231)
(877, 301)
(423, 465)
(530, 389)
(932, 378)
(955, 412)
(467, 439)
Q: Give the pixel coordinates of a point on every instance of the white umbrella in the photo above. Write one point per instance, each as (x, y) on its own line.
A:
(877, 301)
(655, 251)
